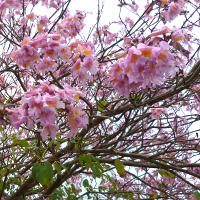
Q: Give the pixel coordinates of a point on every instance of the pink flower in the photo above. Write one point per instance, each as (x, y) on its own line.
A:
(177, 35)
(77, 119)
(51, 49)
(174, 10)
(90, 64)
(143, 67)
(31, 16)
(71, 25)
(23, 21)
(26, 56)
(46, 64)
(54, 102)
(129, 21)
(156, 112)
(17, 117)
(49, 130)
(134, 7)
(42, 23)
(41, 105)
(161, 31)
(77, 66)
(40, 41)
(164, 2)
(47, 116)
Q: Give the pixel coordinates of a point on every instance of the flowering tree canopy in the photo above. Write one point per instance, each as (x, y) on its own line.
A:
(103, 110)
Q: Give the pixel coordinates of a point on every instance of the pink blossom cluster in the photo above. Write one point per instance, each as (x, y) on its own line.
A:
(42, 53)
(196, 87)
(17, 4)
(105, 35)
(51, 3)
(84, 60)
(194, 105)
(9, 4)
(144, 66)
(155, 179)
(163, 30)
(174, 9)
(70, 26)
(25, 56)
(76, 180)
(179, 40)
(157, 112)
(42, 24)
(40, 107)
(129, 22)
(176, 34)
(134, 7)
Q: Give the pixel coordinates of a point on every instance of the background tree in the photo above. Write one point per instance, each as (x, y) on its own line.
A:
(111, 114)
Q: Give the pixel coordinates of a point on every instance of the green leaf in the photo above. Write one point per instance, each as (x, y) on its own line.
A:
(58, 145)
(101, 106)
(3, 171)
(197, 195)
(90, 161)
(155, 196)
(22, 197)
(86, 183)
(107, 167)
(73, 188)
(35, 171)
(162, 195)
(21, 143)
(133, 96)
(57, 195)
(163, 185)
(58, 167)
(20, 132)
(163, 172)
(96, 170)
(43, 173)
(76, 147)
(119, 167)
(1, 128)
(59, 110)
(1, 184)
(14, 180)
(86, 159)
